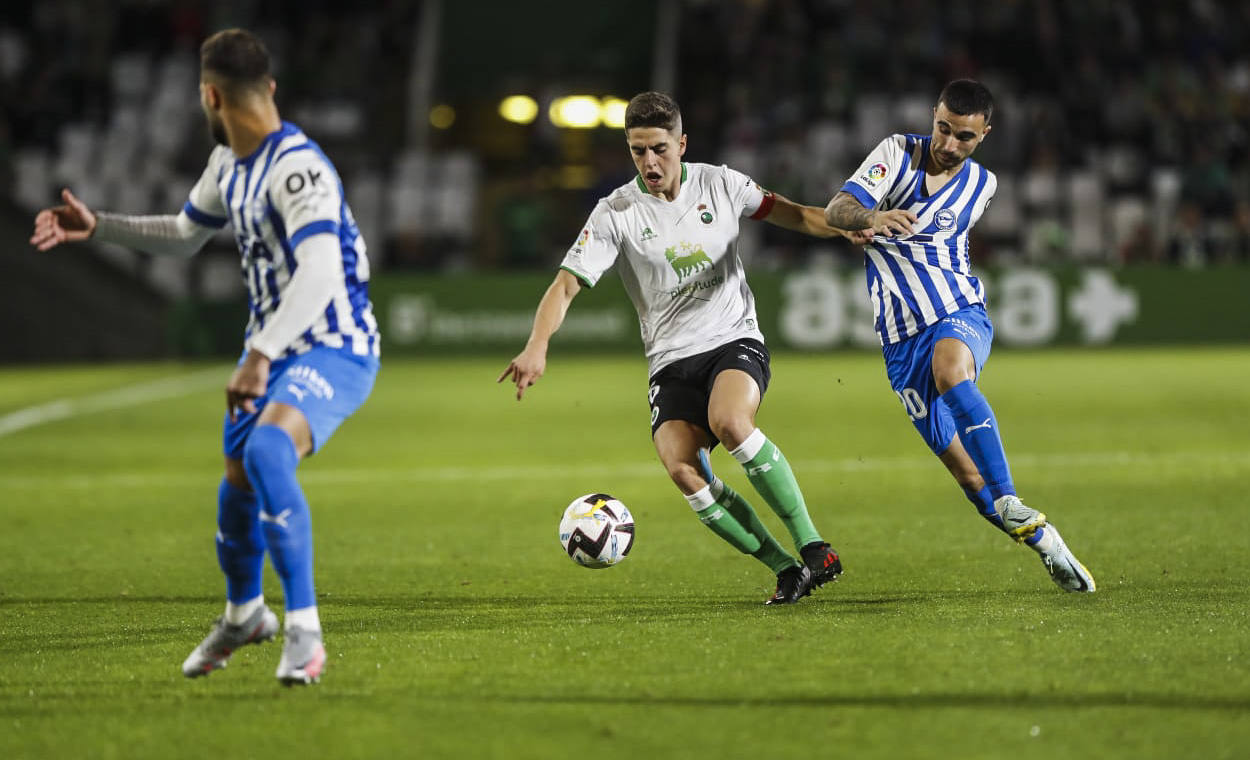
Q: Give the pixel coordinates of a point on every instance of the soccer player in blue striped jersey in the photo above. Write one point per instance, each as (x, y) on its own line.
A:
(922, 194)
(310, 348)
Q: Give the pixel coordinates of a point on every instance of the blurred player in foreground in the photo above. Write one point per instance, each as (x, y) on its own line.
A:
(310, 349)
(922, 194)
(674, 228)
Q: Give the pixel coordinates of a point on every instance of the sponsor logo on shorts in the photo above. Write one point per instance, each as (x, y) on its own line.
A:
(309, 380)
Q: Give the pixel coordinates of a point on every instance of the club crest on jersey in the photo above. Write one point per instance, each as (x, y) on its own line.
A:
(705, 216)
(647, 234)
(688, 260)
(945, 219)
(875, 174)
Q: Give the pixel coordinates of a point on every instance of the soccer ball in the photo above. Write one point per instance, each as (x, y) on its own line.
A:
(597, 531)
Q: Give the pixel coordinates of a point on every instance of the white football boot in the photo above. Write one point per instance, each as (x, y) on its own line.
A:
(303, 656)
(214, 651)
(1062, 565)
(1018, 520)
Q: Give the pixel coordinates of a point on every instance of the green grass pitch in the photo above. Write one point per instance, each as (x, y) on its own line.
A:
(456, 627)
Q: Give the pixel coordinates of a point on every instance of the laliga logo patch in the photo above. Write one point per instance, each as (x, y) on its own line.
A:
(945, 219)
(875, 174)
(582, 240)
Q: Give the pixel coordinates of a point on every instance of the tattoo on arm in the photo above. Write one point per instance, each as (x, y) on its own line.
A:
(846, 212)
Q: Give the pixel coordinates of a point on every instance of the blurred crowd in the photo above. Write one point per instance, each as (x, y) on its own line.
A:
(1121, 132)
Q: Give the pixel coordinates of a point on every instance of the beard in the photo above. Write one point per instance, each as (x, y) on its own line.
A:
(217, 131)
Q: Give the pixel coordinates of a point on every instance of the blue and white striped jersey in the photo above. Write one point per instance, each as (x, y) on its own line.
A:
(918, 279)
(273, 199)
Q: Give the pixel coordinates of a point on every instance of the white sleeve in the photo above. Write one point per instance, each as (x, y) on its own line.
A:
(875, 176)
(596, 247)
(167, 234)
(304, 190)
(319, 269)
(204, 206)
(748, 197)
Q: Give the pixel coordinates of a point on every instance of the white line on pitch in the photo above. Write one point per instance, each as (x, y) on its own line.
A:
(119, 398)
(522, 473)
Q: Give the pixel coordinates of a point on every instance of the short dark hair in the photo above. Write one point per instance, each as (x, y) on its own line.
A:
(968, 96)
(653, 109)
(237, 57)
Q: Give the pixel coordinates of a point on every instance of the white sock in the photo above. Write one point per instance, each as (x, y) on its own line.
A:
(239, 613)
(305, 618)
(750, 447)
(701, 499)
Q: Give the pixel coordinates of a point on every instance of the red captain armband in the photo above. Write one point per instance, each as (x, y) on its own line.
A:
(766, 205)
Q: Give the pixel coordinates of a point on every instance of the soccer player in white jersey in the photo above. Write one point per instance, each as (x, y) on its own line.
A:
(674, 231)
(922, 194)
(310, 348)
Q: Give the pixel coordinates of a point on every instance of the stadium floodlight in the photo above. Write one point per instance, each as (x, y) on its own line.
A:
(612, 110)
(442, 116)
(518, 109)
(575, 111)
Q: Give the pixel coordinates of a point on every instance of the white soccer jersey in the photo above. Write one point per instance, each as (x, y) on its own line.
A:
(918, 279)
(285, 191)
(680, 262)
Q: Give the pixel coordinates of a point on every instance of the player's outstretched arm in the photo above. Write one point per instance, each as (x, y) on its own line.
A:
(847, 212)
(74, 222)
(810, 220)
(70, 223)
(529, 365)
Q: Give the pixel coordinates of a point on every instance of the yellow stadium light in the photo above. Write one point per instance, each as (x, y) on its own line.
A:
(518, 109)
(575, 111)
(442, 116)
(612, 111)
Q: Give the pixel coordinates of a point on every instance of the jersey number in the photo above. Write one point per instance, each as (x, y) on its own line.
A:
(913, 404)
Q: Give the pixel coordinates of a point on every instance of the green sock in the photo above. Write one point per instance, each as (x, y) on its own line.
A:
(771, 475)
(770, 552)
(722, 523)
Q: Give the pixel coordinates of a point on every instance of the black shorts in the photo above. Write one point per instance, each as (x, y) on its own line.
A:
(681, 390)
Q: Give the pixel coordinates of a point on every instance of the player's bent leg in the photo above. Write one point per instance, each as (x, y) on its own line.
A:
(241, 554)
(730, 517)
(270, 458)
(954, 373)
(240, 549)
(965, 472)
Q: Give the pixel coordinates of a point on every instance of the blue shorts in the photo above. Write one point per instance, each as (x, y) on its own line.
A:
(326, 384)
(909, 365)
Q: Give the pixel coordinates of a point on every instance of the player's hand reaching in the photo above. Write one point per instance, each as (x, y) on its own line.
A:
(525, 370)
(896, 221)
(248, 383)
(860, 237)
(71, 223)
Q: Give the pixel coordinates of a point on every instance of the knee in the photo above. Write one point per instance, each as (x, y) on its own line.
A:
(949, 376)
(236, 475)
(731, 430)
(269, 448)
(685, 476)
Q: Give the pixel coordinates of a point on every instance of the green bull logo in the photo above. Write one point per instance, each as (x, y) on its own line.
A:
(687, 263)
